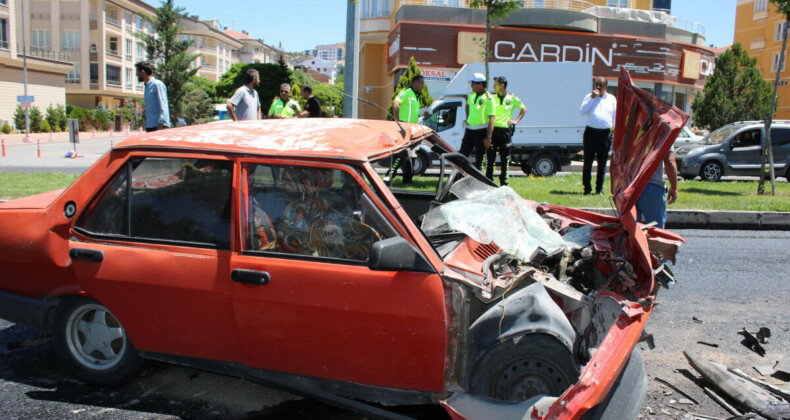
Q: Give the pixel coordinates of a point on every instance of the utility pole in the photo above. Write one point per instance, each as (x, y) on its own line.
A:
(351, 90)
(24, 71)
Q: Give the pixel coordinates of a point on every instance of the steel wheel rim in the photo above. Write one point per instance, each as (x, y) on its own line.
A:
(526, 378)
(544, 166)
(712, 171)
(95, 337)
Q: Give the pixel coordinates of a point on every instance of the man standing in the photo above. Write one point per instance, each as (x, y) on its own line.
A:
(407, 108)
(479, 120)
(652, 204)
(312, 108)
(157, 111)
(284, 106)
(245, 103)
(504, 125)
(600, 108)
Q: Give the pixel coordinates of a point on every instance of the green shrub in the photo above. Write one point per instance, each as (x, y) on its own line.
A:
(45, 128)
(6, 129)
(19, 118)
(35, 119)
(126, 114)
(84, 117)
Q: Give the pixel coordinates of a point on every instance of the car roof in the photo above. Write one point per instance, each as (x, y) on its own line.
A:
(337, 138)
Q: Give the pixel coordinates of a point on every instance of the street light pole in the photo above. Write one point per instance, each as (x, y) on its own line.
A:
(24, 71)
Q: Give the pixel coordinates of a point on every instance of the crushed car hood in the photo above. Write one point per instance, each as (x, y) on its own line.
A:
(645, 129)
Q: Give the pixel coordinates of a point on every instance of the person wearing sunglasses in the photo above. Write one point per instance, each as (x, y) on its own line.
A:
(285, 106)
(600, 108)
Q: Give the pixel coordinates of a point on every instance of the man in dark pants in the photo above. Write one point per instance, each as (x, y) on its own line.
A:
(479, 120)
(600, 108)
(504, 124)
(406, 108)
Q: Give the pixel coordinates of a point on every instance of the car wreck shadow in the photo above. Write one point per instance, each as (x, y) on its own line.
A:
(151, 392)
(712, 193)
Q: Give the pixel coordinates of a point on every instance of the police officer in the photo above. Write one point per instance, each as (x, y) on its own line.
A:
(504, 126)
(285, 106)
(479, 120)
(407, 107)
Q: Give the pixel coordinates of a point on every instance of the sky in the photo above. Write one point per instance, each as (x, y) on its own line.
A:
(304, 24)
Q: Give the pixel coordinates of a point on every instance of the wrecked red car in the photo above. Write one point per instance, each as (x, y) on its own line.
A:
(272, 250)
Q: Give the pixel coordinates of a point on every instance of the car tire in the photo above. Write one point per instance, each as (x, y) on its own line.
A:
(537, 365)
(787, 174)
(687, 177)
(420, 164)
(92, 343)
(544, 165)
(711, 171)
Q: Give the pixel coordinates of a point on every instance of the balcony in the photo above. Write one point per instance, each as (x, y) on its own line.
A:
(73, 81)
(113, 53)
(39, 16)
(69, 16)
(113, 83)
(648, 16)
(44, 53)
(112, 21)
(3, 45)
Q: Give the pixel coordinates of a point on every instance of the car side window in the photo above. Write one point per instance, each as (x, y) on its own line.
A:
(780, 136)
(747, 139)
(182, 200)
(300, 210)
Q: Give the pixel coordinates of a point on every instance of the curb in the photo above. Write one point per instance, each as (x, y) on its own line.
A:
(721, 219)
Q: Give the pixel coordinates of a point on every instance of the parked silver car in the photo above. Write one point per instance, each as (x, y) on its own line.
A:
(735, 149)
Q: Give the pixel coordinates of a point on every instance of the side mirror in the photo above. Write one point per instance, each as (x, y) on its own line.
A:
(396, 254)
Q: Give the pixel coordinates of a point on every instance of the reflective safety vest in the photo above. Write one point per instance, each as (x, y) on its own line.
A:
(504, 108)
(278, 108)
(480, 108)
(409, 106)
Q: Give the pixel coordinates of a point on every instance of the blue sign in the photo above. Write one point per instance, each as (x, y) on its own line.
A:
(22, 98)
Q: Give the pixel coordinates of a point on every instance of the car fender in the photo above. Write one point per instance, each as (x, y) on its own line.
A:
(528, 311)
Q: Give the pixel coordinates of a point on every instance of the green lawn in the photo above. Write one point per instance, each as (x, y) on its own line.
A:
(561, 190)
(567, 191)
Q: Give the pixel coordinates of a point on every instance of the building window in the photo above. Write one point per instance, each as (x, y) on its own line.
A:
(70, 40)
(94, 69)
(140, 24)
(129, 77)
(775, 62)
(40, 38)
(112, 47)
(3, 34)
(779, 30)
(760, 5)
(128, 49)
(189, 38)
(618, 3)
(113, 75)
(74, 74)
(139, 53)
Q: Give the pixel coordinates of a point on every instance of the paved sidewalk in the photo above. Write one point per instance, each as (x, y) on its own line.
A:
(720, 219)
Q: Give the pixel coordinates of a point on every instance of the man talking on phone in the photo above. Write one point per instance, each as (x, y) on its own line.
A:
(599, 107)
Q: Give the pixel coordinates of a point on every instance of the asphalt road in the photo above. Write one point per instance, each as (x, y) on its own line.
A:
(726, 279)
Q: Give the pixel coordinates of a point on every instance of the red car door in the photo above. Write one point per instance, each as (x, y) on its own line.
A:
(304, 298)
(153, 250)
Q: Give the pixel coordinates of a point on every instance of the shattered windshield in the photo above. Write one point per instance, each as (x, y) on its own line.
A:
(488, 214)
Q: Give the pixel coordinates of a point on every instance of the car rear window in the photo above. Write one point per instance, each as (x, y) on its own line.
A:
(182, 200)
(780, 136)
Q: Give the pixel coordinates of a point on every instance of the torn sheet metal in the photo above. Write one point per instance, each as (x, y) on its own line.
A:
(741, 390)
(497, 215)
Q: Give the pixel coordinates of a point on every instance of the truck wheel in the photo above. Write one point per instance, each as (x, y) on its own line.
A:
(526, 167)
(537, 365)
(544, 165)
(92, 343)
(420, 164)
(711, 171)
(787, 174)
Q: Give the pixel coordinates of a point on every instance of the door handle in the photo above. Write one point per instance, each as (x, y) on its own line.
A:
(86, 254)
(257, 278)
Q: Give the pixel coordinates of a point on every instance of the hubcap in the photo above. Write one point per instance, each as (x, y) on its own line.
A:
(544, 166)
(95, 338)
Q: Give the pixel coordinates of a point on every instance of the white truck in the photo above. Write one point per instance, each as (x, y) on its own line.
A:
(548, 135)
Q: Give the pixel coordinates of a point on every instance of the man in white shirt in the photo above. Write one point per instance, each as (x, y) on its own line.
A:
(600, 108)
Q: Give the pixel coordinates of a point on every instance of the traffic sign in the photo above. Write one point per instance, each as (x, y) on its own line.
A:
(22, 98)
(25, 104)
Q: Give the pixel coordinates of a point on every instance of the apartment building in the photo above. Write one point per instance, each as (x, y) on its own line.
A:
(255, 50)
(218, 50)
(318, 65)
(332, 52)
(759, 30)
(45, 70)
(665, 54)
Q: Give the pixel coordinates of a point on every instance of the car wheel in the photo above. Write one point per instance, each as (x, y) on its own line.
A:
(711, 171)
(92, 343)
(687, 177)
(537, 365)
(420, 164)
(544, 165)
(526, 168)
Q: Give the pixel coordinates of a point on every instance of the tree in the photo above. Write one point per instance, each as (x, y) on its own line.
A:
(272, 76)
(35, 119)
(169, 54)
(19, 119)
(735, 91)
(197, 104)
(495, 10)
(296, 94)
(782, 7)
(405, 82)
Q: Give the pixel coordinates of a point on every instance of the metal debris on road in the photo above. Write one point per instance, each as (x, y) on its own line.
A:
(722, 402)
(779, 392)
(765, 370)
(697, 320)
(707, 344)
(763, 334)
(751, 342)
(784, 365)
(678, 390)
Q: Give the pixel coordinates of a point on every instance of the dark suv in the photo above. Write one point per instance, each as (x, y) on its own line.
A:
(735, 149)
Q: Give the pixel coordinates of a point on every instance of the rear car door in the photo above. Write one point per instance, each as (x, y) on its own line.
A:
(152, 247)
(304, 298)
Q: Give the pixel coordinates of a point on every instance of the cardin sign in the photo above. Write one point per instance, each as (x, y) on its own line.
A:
(450, 46)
